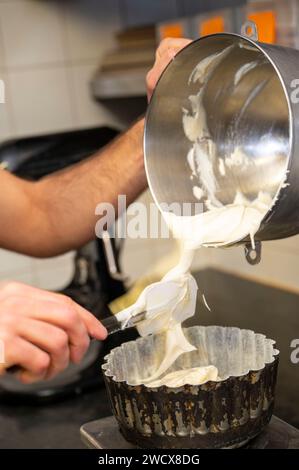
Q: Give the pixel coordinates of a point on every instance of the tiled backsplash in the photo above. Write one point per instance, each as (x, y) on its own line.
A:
(48, 53)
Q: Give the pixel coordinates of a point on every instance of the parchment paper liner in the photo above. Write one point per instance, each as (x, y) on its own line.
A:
(225, 413)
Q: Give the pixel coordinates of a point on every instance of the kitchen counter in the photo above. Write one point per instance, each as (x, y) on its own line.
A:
(233, 301)
(53, 425)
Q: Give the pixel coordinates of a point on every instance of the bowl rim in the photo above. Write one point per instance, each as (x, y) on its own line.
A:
(209, 383)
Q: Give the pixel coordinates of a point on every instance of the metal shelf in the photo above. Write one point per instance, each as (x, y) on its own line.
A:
(120, 84)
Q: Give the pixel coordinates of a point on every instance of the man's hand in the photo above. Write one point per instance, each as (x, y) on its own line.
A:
(42, 331)
(165, 54)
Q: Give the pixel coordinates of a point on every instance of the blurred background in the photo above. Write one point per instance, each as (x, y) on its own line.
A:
(71, 65)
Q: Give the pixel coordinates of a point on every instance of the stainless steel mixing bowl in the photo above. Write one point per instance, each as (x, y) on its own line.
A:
(257, 115)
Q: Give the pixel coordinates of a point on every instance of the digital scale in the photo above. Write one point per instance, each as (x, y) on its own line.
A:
(105, 434)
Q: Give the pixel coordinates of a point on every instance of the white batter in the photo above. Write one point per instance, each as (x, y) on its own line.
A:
(218, 225)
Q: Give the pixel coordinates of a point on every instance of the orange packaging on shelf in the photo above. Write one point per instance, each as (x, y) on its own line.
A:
(211, 26)
(171, 30)
(266, 25)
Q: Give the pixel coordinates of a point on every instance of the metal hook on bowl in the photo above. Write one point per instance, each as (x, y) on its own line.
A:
(253, 255)
(249, 30)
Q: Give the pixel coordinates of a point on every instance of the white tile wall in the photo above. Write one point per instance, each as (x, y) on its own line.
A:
(41, 100)
(23, 277)
(12, 263)
(54, 273)
(32, 33)
(88, 26)
(86, 111)
(2, 54)
(48, 53)
(6, 116)
(143, 256)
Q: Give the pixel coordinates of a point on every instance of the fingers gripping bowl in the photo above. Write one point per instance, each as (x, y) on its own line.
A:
(226, 412)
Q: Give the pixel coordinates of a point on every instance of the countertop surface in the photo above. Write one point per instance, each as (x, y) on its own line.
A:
(233, 301)
(53, 425)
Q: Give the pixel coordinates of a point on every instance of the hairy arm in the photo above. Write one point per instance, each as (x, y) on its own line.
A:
(57, 213)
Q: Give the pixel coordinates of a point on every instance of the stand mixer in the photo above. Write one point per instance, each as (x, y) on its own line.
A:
(250, 109)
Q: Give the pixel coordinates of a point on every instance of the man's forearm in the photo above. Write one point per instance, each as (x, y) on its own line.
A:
(60, 209)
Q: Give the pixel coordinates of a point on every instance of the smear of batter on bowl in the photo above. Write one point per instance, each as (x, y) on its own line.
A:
(206, 65)
(238, 158)
(243, 71)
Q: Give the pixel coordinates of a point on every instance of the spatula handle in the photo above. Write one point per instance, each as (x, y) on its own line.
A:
(111, 324)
